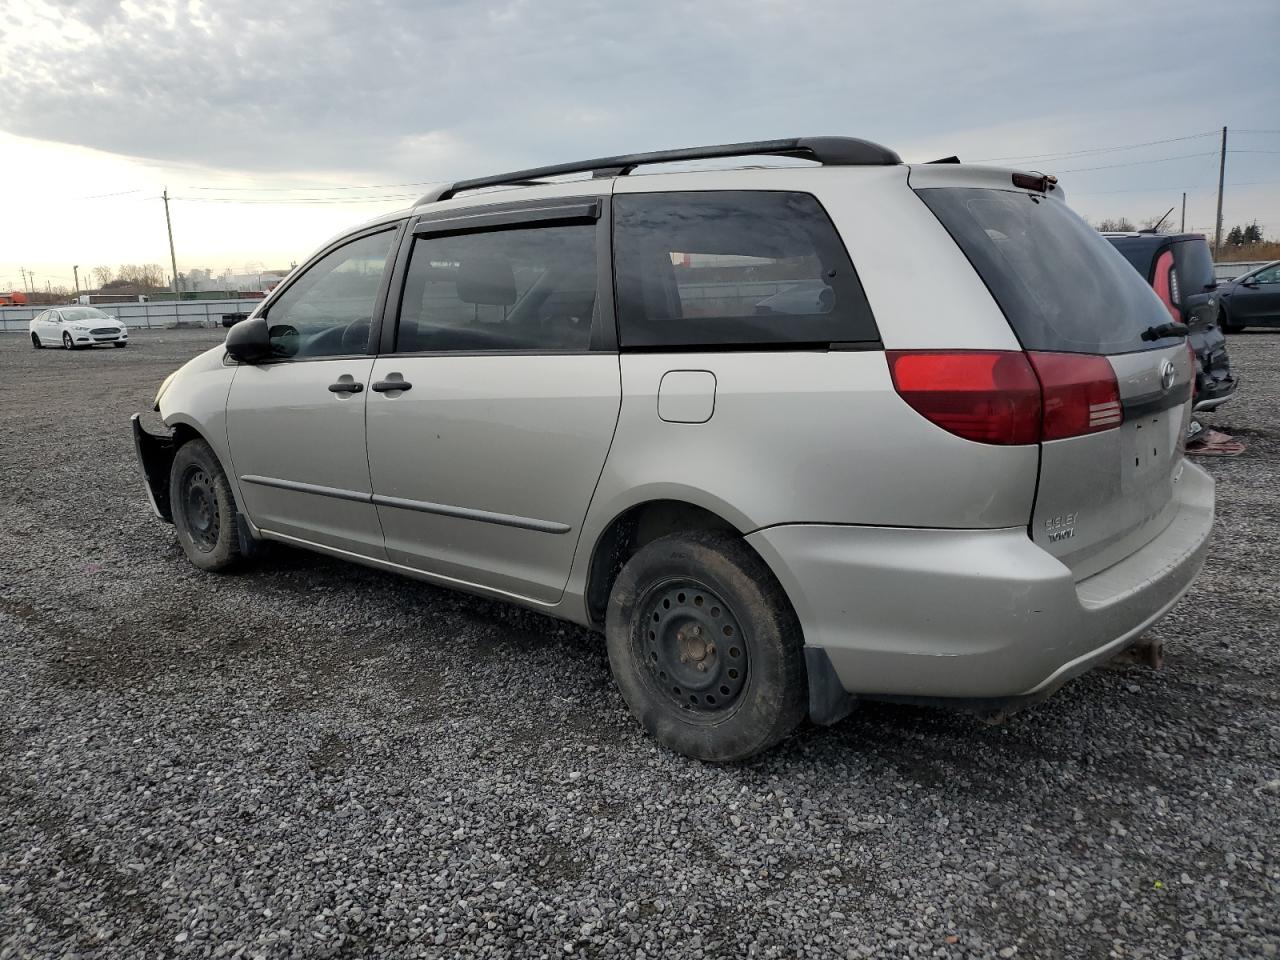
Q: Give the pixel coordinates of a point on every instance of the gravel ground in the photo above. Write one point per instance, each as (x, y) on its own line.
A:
(317, 760)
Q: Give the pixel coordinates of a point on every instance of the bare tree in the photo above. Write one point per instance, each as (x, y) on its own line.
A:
(1118, 225)
(146, 276)
(103, 276)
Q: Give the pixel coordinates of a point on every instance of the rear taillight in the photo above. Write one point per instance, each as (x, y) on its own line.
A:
(1079, 394)
(1165, 284)
(1007, 396)
(990, 396)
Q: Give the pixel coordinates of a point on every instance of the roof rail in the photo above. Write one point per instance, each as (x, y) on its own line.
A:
(830, 151)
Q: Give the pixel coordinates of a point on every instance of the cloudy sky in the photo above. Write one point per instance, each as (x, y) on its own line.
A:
(275, 123)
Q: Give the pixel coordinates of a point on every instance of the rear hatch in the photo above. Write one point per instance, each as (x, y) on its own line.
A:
(1075, 304)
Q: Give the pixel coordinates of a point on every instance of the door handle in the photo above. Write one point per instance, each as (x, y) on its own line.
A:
(345, 386)
(383, 386)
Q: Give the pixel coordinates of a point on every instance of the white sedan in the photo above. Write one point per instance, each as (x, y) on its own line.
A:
(75, 327)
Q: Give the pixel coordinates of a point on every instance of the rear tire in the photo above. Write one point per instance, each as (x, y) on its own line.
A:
(705, 647)
(35, 342)
(203, 508)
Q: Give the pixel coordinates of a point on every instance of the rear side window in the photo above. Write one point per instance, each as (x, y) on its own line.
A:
(1060, 284)
(733, 268)
(1140, 254)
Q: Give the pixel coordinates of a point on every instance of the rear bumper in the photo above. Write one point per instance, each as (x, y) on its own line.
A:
(976, 614)
(155, 457)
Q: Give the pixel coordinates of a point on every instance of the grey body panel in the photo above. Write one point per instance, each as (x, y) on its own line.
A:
(197, 398)
(286, 426)
(977, 613)
(1103, 495)
(521, 436)
(796, 437)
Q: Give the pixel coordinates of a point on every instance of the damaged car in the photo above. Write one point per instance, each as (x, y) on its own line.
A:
(1179, 268)
(562, 388)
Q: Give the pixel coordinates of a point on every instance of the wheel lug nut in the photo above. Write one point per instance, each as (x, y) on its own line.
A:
(683, 658)
(702, 668)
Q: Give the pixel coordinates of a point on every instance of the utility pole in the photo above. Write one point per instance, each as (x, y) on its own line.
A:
(173, 260)
(24, 279)
(76, 270)
(1184, 212)
(1222, 171)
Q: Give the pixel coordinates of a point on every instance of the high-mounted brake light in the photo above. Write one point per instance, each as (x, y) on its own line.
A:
(1008, 397)
(1034, 181)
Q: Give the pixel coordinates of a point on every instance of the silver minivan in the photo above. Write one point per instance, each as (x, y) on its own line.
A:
(789, 436)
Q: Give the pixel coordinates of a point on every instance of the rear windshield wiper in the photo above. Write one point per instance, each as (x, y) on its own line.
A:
(1163, 330)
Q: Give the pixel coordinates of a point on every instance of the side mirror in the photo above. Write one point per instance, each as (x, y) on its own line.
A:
(249, 341)
(1251, 283)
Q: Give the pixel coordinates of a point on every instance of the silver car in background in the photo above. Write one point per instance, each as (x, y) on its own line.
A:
(790, 437)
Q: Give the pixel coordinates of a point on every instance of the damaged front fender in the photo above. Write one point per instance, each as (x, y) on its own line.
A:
(155, 457)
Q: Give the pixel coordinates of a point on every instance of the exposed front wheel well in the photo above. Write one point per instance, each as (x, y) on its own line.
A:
(630, 531)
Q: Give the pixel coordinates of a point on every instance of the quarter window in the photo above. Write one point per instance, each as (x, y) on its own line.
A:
(526, 289)
(745, 268)
(328, 311)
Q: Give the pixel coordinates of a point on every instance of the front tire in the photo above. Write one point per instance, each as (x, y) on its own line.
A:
(119, 344)
(67, 342)
(705, 647)
(203, 508)
(35, 342)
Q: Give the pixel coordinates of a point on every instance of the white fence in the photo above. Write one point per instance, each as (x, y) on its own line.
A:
(154, 313)
(1229, 271)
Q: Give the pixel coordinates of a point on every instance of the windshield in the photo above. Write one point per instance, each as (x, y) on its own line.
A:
(1060, 284)
(84, 313)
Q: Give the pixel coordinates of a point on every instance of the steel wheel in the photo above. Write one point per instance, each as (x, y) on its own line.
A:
(200, 507)
(693, 647)
(67, 343)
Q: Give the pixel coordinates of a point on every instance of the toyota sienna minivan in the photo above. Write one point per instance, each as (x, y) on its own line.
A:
(788, 436)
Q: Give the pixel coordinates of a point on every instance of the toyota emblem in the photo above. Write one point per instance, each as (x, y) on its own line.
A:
(1166, 374)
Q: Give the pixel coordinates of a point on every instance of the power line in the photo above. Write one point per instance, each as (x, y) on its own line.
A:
(1092, 150)
(382, 199)
(103, 196)
(1193, 190)
(367, 186)
(1139, 163)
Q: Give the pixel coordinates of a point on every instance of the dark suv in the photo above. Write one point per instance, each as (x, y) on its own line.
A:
(1180, 269)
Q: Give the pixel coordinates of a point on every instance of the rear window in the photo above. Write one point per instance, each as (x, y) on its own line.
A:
(1060, 284)
(733, 268)
(1140, 253)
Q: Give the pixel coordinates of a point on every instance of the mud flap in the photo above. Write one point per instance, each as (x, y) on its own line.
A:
(829, 702)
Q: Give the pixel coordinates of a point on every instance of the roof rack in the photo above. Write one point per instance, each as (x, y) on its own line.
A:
(830, 151)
